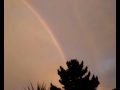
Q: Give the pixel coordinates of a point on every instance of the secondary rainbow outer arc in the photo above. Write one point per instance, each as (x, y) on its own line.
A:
(48, 30)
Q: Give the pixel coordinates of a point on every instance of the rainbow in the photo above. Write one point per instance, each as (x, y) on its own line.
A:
(48, 30)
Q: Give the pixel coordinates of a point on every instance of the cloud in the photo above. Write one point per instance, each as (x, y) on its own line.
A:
(29, 52)
(86, 31)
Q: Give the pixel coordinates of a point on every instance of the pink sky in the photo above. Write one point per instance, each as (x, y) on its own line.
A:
(81, 29)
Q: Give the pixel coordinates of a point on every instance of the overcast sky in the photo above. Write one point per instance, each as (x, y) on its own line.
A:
(84, 29)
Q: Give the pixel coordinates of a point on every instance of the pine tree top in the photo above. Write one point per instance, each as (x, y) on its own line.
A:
(75, 77)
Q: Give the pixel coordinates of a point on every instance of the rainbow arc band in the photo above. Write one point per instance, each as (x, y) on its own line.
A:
(48, 30)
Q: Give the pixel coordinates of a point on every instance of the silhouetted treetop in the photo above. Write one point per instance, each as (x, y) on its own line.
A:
(76, 77)
(54, 87)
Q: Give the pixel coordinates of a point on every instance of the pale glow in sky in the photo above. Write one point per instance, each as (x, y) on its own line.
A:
(30, 53)
(39, 34)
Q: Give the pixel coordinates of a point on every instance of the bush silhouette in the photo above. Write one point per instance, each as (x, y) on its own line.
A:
(76, 78)
(39, 87)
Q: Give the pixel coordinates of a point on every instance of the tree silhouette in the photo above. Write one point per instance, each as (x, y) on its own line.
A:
(76, 78)
(54, 87)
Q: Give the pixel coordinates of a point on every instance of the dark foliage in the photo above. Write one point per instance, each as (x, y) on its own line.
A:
(76, 77)
(54, 87)
(39, 87)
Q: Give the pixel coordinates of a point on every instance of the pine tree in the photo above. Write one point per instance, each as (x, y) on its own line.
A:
(76, 78)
